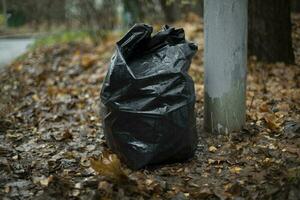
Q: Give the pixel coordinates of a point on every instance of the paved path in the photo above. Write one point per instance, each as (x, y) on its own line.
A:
(10, 49)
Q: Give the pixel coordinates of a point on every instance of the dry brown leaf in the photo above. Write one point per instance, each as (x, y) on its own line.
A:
(285, 107)
(109, 166)
(272, 122)
(292, 149)
(67, 135)
(88, 60)
(264, 107)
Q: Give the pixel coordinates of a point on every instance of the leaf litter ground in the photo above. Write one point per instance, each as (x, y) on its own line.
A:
(52, 145)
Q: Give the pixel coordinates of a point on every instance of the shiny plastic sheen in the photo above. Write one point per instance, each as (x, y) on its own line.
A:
(148, 98)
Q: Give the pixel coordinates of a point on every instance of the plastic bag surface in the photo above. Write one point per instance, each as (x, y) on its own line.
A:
(148, 98)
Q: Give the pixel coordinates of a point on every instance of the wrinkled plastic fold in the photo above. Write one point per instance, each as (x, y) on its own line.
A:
(148, 98)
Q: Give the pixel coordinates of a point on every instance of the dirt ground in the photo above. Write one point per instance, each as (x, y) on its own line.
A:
(51, 134)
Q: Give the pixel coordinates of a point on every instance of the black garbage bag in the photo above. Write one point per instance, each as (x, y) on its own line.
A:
(148, 98)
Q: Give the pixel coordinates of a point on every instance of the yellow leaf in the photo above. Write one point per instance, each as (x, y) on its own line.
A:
(235, 170)
(212, 149)
(211, 161)
(45, 182)
(35, 97)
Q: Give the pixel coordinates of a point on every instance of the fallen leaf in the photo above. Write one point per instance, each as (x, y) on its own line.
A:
(204, 193)
(211, 161)
(285, 107)
(7, 189)
(212, 149)
(264, 107)
(294, 173)
(45, 181)
(235, 170)
(109, 165)
(67, 135)
(272, 122)
(106, 186)
(87, 60)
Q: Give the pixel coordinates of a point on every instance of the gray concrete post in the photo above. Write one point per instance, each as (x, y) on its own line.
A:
(225, 62)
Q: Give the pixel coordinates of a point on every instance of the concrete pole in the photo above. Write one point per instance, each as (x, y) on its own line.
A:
(225, 62)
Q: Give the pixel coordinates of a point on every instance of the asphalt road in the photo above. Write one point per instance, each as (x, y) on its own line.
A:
(10, 49)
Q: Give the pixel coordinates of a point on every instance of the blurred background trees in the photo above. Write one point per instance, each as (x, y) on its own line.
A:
(47, 13)
(106, 14)
(269, 20)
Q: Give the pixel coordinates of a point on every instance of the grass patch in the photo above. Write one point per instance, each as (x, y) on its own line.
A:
(93, 36)
(62, 37)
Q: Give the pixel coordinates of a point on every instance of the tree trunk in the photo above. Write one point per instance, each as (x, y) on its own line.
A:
(4, 7)
(270, 37)
(192, 6)
(225, 61)
(295, 7)
(171, 10)
(133, 7)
